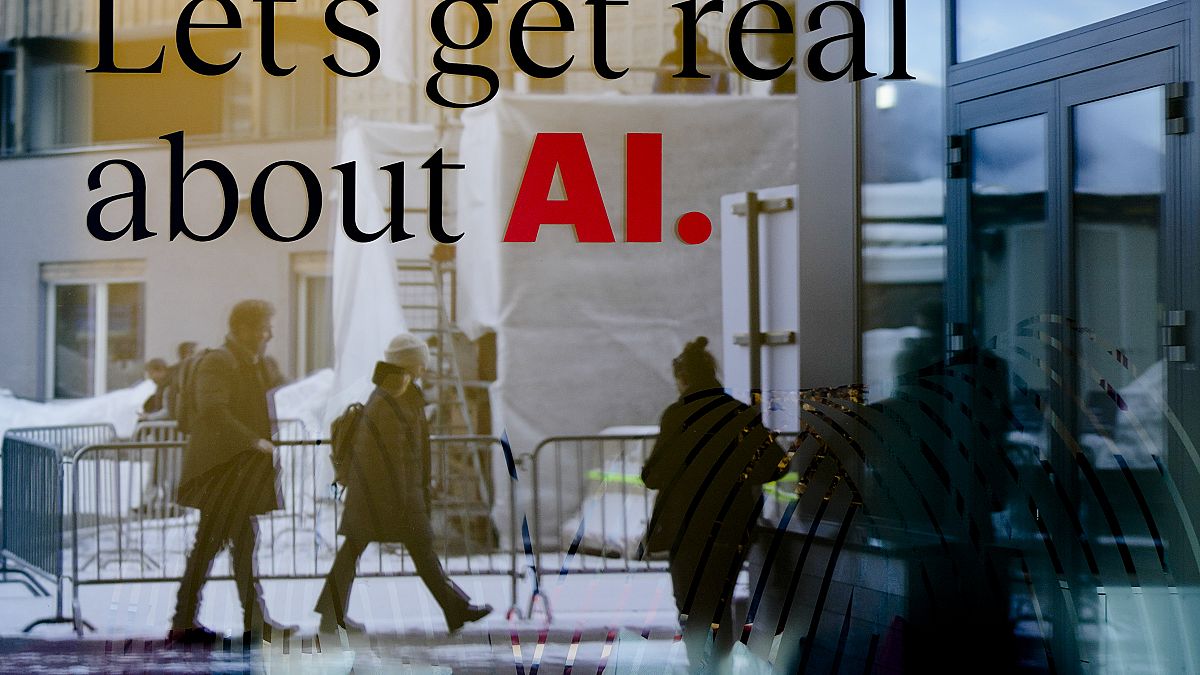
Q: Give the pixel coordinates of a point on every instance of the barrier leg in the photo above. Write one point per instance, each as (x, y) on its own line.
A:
(28, 581)
(76, 620)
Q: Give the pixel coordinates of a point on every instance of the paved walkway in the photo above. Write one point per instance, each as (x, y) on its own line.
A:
(625, 623)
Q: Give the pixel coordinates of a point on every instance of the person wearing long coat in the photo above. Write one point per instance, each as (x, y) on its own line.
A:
(709, 463)
(229, 470)
(387, 491)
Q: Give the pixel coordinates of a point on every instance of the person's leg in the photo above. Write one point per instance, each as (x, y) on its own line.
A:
(209, 542)
(732, 559)
(696, 631)
(245, 541)
(704, 594)
(419, 543)
(335, 594)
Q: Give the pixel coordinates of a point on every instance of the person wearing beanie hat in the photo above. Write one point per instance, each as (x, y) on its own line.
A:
(709, 463)
(409, 352)
(387, 490)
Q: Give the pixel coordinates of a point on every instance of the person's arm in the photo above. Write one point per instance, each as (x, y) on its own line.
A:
(657, 470)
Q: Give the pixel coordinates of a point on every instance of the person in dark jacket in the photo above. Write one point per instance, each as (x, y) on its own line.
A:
(155, 407)
(710, 460)
(229, 471)
(387, 491)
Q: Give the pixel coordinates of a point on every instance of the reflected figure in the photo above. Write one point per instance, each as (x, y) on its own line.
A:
(709, 463)
(924, 350)
(229, 471)
(708, 62)
(387, 491)
(155, 407)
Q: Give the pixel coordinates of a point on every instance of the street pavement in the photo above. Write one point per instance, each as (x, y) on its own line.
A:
(584, 624)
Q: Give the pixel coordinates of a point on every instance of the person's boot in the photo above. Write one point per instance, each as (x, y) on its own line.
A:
(466, 614)
(330, 625)
(191, 635)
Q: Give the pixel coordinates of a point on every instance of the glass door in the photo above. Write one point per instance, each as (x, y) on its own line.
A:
(1065, 281)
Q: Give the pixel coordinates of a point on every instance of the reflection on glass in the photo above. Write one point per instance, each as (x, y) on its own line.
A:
(125, 333)
(988, 26)
(1008, 235)
(1117, 197)
(903, 196)
(74, 335)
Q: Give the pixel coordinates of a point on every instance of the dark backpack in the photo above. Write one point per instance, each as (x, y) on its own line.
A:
(182, 403)
(341, 441)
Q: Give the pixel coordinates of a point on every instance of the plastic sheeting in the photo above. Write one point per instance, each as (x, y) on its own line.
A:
(366, 294)
(586, 332)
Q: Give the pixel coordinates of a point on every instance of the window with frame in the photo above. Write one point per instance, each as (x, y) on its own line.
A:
(95, 327)
(313, 298)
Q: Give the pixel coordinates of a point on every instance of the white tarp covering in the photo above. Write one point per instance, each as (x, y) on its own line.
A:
(366, 295)
(586, 332)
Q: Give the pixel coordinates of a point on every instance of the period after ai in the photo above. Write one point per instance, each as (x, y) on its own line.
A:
(840, 53)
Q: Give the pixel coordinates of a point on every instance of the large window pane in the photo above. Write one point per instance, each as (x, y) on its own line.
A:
(74, 341)
(1120, 152)
(1008, 235)
(989, 26)
(318, 343)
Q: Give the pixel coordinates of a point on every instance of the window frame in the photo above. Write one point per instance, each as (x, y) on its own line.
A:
(98, 275)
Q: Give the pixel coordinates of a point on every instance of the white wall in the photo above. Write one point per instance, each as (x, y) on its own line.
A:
(190, 286)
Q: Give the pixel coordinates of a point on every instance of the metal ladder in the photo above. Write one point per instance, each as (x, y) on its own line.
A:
(428, 289)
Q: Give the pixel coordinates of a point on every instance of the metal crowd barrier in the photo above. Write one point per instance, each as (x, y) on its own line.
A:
(34, 478)
(34, 484)
(590, 508)
(586, 492)
(118, 534)
(69, 437)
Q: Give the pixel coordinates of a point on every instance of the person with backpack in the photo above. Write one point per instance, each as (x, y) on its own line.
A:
(386, 469)
(229, 471)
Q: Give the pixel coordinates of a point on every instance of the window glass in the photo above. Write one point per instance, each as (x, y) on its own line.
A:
(989, 26)
(74, 341)
(8, 117)
(903, 229)
(125, 334)
(98, 335)
(318, 342)
(58, 102)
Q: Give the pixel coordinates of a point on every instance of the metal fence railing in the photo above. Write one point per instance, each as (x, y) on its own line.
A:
(34, 495)
(105, 513)
(118, 535)
(67, 438)
(590, 509)
(35, 475)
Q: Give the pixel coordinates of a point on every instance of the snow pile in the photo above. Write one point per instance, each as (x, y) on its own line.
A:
(305, 400)
(119, 408)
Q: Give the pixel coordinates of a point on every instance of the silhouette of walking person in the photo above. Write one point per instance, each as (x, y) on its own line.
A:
(229, 471)
(387, 491)
(710, 460)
